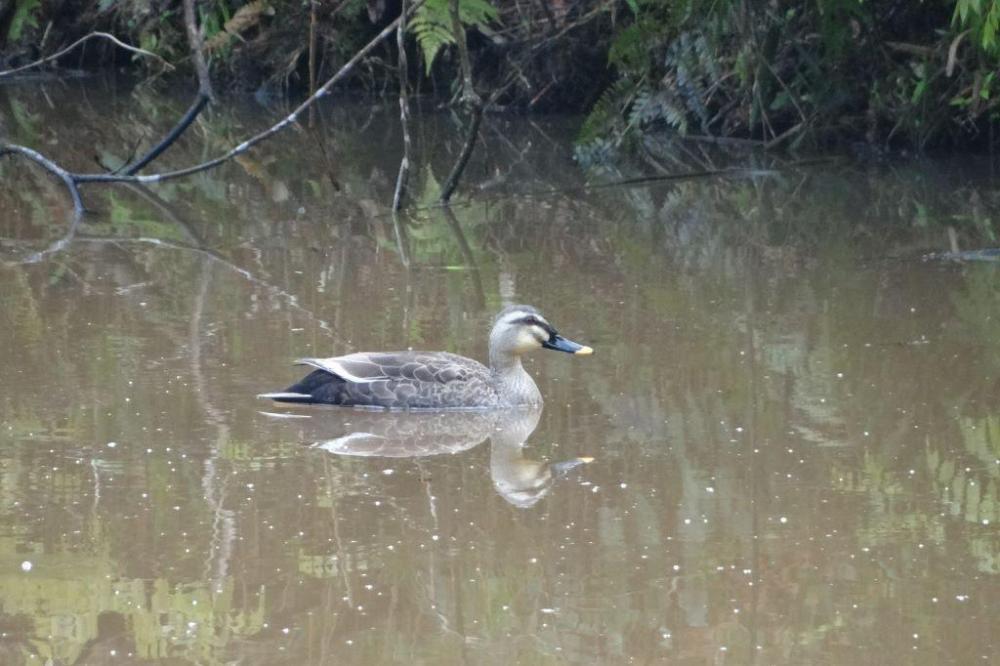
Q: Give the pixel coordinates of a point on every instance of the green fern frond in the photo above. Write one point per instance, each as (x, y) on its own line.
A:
(660, 106)
(608, 109)
(431, 24)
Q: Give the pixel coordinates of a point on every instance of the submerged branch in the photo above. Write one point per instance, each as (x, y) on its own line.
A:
(189, 117)
(463, 158)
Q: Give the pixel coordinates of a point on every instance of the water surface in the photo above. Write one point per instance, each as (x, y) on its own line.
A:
(792, 417)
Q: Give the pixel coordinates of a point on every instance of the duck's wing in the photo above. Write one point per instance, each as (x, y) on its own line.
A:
(394, 380)
(430, 367)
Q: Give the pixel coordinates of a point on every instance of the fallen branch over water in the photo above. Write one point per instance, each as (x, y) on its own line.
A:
(74, 180)
(205, 94)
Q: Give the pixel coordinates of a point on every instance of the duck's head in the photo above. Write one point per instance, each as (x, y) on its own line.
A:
(520, 329)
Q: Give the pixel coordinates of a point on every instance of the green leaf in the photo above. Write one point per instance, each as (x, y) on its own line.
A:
(23, 16)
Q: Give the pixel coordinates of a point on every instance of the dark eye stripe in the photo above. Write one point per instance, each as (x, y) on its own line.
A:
(532, 320)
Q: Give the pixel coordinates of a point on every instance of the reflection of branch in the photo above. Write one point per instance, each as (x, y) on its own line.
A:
(401, 241)
(76, 215)
(104, 35)
(59, 245)
(257, 138)
(223, 524)
(275, 290)
(72, 180)
(470, 259)
(404, 111)
(342, 556)
(171, 214)
(69, 179)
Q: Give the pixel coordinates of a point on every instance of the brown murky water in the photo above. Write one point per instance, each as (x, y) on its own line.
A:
(794, 420)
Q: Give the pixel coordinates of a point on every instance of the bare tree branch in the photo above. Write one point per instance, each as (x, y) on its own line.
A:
(103, 35)
(469, 94)
(73, 180)
(197, 50)
(257, 138)
(50, 166)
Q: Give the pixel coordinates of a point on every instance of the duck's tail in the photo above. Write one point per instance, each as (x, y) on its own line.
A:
(286, 396)
(318, 387)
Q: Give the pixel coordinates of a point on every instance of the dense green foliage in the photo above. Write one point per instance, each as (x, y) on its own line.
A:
(886, 73)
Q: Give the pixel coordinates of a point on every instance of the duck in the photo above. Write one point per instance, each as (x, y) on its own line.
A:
(418, 380)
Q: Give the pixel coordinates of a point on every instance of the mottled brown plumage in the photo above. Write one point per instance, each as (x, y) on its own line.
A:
(435, 380)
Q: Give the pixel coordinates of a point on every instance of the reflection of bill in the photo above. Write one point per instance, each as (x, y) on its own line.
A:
(519, 480)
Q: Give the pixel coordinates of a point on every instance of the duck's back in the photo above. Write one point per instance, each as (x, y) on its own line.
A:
(398, 380)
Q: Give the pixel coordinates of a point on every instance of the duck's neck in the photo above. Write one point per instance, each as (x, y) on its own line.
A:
(515, 384)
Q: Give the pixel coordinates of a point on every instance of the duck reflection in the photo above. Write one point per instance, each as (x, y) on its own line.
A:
(518, 479)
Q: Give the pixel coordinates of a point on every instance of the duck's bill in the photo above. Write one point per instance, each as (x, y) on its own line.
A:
(559, 343)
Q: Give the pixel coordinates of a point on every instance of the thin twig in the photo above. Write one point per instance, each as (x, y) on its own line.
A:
(586, 18)
(196, 44)
(104, 35)
(404, 110)
(312, 57)
(794, 129)
(471, 99)
(323, 91)
(458, 32)
(72, 180)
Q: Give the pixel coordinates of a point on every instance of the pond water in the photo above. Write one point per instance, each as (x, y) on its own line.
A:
(792, 416)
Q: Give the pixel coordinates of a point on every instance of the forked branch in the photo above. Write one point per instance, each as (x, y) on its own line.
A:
(73, 180)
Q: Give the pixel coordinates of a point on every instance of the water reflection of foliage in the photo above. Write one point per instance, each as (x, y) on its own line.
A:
(725, 313)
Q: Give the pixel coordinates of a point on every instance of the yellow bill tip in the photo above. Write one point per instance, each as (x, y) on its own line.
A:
(586, 459)
(584, 351)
